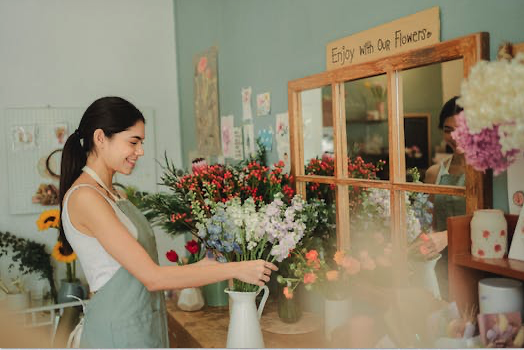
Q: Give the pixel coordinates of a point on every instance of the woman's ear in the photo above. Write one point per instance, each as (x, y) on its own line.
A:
(99, 138)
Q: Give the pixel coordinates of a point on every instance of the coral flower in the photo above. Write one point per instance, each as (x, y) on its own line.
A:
(288, 293)
(312, 255)
(310, 278)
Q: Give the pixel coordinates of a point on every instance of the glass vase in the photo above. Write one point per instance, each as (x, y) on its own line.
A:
(289, 310)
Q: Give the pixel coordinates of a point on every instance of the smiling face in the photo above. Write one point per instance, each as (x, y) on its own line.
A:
(124, 149)
(450, 124)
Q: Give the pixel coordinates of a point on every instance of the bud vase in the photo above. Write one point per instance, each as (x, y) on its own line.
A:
(190, 299)
(489, 234)
(289, 310)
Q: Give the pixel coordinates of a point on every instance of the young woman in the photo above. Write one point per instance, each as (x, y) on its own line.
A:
(448, 172)
(113, 240)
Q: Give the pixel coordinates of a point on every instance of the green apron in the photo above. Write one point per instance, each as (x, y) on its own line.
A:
(445, 206)
(123, 313)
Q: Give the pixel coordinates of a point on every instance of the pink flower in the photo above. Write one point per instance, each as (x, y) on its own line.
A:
(310, 277)
(288, 293)
(198, 165)
(483, 150)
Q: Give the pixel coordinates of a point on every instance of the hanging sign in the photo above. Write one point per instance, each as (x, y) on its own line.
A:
(404, 34)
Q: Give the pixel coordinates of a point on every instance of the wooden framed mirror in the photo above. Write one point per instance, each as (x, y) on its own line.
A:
(330, 111)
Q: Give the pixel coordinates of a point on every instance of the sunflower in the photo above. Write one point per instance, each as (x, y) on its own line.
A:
(59, 256)
(49, 218)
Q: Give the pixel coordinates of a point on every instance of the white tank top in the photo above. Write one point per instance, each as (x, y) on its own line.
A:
(98, 265)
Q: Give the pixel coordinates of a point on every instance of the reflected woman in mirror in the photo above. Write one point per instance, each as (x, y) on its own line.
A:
(449, 172)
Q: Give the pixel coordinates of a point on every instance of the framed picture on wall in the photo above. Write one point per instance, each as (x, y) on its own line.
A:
(417, 138)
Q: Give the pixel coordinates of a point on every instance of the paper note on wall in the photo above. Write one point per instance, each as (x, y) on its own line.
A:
(249, 140)
(282, 138)
(246, 103)
(263, 104)
(238, 149)
(266, 138)
(226, 127)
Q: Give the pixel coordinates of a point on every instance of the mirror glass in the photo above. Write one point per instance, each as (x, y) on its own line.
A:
(370, 222)
(428, 144)
(317, 122)
(367, 124)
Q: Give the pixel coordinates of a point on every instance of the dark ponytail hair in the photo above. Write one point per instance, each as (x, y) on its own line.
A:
(449, 109)
(112, 115)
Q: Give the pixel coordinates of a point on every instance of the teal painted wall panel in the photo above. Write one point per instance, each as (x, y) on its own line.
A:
(266, 43)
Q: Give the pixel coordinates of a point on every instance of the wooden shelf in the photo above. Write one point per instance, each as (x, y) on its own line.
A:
(504, 267)
(465, 270)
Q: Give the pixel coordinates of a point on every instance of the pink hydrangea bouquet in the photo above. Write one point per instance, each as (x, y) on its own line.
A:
(491, 126)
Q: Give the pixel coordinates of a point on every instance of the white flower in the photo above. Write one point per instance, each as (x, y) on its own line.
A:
(494, 94)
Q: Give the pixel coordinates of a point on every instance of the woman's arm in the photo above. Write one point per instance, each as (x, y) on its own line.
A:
(90, 212)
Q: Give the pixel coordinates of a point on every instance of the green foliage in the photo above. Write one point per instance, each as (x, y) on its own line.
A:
(30, 256)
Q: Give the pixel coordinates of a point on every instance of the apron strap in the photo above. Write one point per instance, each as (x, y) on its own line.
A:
(95, 177)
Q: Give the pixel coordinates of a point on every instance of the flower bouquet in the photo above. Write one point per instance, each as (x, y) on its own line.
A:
(491, 126)
(238, 231)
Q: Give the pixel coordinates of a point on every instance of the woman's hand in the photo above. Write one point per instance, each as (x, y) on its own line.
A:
(254, 271)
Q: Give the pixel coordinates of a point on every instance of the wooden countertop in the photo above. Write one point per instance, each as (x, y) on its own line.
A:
(207, 328)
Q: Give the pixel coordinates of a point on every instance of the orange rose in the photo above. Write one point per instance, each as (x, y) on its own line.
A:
(310, 278)
(332, 275)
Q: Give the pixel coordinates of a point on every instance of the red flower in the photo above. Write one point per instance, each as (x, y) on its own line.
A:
(172, 256)
(498, 247)
(485, 233)
(480, 252)
(502, 233)
(192, 246)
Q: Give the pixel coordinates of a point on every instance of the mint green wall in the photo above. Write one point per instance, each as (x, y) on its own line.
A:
(266, 43)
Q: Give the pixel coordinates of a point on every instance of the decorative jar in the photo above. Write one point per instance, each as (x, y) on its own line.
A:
(489, 234)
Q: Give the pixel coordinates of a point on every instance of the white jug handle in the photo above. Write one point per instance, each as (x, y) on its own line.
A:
(263, 301)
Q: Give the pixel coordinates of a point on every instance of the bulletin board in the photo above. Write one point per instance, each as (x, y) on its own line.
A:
(32, 134)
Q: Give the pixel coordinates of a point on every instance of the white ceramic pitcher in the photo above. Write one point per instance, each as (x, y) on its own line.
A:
(244, 327)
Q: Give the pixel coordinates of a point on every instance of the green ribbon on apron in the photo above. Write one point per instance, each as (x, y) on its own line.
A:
(123, 313)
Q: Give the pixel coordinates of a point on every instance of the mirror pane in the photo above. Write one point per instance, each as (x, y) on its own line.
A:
(370, 221)
(428, 144)
(367, 122)
(317, 122)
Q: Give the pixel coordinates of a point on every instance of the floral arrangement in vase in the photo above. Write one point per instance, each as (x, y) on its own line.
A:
(196, 253)
(239, 231)
(491, 126)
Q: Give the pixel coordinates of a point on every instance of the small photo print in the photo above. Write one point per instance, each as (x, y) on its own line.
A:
(60, 133)
(23, 137)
